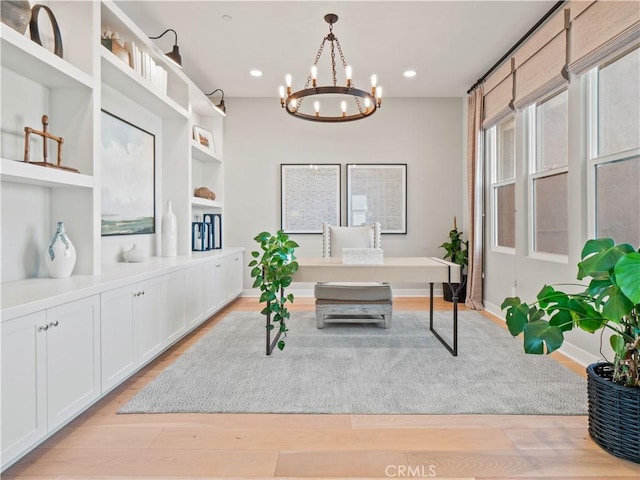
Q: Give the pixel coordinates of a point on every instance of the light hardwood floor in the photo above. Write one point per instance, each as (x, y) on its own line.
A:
(101, 445)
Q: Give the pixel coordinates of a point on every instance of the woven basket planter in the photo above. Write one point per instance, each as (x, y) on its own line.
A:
(614, 413)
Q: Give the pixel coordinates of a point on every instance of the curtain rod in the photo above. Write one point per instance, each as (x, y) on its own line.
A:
(517, 44)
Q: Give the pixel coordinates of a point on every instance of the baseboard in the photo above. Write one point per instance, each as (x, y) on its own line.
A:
(569, 350)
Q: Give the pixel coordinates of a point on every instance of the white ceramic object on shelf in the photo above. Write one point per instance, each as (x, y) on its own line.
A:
(134, 255)
(169, 233)
(60, 258)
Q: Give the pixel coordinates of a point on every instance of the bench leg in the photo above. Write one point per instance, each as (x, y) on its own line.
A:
(319, 319)
(387, 320)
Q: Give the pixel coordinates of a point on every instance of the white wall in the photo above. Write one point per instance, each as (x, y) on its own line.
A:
(424, 133)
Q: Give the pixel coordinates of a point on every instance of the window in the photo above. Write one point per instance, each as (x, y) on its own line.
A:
(501, 152)
(547, 136)
(614, 154)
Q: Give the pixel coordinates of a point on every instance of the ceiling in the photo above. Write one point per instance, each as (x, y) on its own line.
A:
(449, 43)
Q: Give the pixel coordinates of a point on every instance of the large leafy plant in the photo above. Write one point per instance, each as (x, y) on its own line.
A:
(611, 301)
(273, 269)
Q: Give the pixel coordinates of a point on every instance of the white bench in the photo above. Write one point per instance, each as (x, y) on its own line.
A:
(361, 303)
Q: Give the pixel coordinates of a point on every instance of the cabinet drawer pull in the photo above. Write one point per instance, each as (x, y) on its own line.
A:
(42, 328)
(142, 292)
(53, 324)
(218, 265)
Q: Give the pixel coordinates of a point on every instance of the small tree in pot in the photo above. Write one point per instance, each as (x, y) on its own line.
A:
(611, 301)
(457, 252)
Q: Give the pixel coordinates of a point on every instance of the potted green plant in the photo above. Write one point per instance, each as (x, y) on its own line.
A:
(273, 268)
(457, 251)
(611, 301)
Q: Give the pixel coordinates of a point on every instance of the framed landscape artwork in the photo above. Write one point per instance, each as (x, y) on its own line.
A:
(310, 195)
(377, 193)
(128, 178)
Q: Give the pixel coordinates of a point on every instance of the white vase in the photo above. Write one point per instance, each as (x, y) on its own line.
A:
(61, 254)
(169, 233)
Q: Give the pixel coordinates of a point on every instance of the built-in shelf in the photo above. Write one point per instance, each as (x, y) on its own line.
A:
(32, 61)
(121, 77)
(203, 154)
(204, 203)
(22, 172)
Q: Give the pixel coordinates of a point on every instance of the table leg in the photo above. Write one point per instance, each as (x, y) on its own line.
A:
(452, 349)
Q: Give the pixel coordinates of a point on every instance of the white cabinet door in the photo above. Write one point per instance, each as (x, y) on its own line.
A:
(24, 408)
(118, 335)
(211, 297)
(150, 311)
(73, 358)
(216, 292)
(195, 294)
(231, 277)
(174, 297)
(234, 276)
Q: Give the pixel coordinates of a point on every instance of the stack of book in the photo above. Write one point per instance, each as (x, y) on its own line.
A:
(146, 67)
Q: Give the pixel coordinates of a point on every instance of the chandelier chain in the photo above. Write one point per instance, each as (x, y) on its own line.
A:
(344, 65)
(315, 62)
(333, 65)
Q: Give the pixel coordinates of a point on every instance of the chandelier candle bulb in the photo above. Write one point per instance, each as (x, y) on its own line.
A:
(343, 105)
(282, 96)
(287, 79)
(379, 96)
(349, 75)
(316, 105)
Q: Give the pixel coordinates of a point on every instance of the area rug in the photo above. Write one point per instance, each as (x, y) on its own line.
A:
(362, 369)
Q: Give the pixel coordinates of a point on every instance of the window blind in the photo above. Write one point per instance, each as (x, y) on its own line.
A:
(541, 63)
(601, 30)
(498, 95)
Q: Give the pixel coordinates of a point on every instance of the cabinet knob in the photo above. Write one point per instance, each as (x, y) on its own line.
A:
(53, 324)
(218, 265)
(43, 328)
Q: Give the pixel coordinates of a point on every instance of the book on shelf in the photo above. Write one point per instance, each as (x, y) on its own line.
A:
(147, 68)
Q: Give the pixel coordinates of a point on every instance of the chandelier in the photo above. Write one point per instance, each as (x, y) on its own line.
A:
(354, 104)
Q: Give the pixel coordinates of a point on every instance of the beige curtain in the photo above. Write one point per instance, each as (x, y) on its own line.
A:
(476, 194)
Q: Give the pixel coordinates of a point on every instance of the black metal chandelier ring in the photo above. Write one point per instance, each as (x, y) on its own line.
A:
(338, 90)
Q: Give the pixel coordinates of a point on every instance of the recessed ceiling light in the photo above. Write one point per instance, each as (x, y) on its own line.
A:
(410, 73)
(255, 73)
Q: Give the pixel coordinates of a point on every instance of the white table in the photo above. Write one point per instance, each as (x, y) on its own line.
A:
(393, 270)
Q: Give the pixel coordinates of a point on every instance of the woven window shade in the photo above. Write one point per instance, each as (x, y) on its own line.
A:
(498, 95)
(601, 30)
(542, 61)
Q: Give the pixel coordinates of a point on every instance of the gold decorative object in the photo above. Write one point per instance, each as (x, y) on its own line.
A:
(204, 192)
(45, 135)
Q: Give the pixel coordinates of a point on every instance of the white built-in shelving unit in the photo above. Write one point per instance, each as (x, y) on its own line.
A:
(69, 341)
